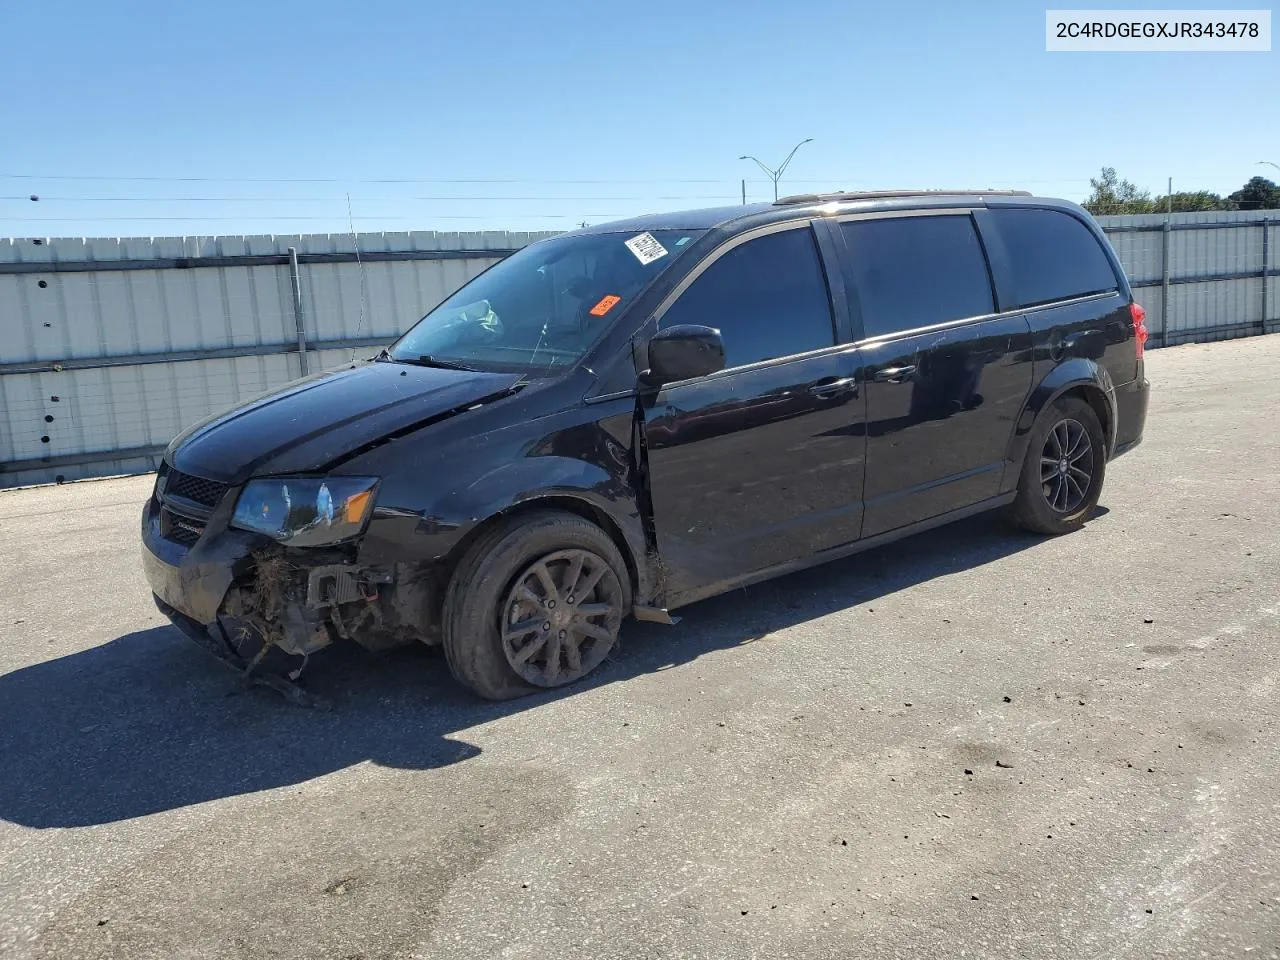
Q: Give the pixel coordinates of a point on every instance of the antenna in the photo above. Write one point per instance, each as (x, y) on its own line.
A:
(364, 285)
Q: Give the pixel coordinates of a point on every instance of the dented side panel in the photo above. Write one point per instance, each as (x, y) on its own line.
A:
(454, 479)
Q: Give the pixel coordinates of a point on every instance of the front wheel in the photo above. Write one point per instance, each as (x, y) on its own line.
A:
(1062, 474)
(537, 602)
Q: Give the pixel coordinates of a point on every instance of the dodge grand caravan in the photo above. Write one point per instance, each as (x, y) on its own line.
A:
(623, 419)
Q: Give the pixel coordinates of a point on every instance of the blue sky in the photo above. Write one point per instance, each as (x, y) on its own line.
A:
(647, 103)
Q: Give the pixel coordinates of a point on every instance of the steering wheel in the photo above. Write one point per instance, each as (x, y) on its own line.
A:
(574, 328)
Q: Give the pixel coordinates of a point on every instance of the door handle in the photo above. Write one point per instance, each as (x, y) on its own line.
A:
(833, 388)
(895, 374)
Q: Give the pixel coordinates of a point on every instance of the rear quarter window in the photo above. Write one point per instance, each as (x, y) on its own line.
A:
(1052, 256)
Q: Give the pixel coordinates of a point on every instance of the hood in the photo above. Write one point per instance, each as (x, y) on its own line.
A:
(306, 425)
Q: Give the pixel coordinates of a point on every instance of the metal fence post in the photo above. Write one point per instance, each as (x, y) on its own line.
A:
(295, 280)
(1266, 265)
(1164, 282)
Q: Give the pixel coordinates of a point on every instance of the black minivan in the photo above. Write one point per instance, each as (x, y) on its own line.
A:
(631, 417)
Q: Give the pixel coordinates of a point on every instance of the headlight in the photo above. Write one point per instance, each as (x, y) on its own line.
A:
(304, 512)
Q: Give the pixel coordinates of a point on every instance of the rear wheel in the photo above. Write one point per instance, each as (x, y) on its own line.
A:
(536, 603)
(1063, 471)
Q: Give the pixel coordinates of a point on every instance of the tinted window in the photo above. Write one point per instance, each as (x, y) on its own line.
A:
(768, 298)
(917, 271)
(1053, 256)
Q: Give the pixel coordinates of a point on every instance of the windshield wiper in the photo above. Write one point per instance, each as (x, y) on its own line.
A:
(427, 360)
(423, 360)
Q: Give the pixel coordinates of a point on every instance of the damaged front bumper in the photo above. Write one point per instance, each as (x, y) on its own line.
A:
(220, 645)
(195, 579)
(242, 595)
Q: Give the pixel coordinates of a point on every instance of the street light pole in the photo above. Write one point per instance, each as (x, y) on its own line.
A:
(776, 175)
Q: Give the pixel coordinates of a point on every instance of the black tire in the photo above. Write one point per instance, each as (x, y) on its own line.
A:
(482, 595)
(1056, 499)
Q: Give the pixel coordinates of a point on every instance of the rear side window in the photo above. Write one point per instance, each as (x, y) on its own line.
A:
(916, 271)
(1052, 256)
(767, 297)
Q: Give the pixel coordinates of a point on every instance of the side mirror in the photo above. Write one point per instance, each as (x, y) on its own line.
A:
(683, 352)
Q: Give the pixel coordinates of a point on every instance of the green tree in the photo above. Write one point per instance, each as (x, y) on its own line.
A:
(1192, 202)
(1111, 195)
(1258, 194)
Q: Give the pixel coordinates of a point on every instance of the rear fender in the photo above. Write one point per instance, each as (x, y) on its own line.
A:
(1073, 374)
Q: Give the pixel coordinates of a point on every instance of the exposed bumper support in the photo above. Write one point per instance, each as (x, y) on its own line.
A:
(220, 648)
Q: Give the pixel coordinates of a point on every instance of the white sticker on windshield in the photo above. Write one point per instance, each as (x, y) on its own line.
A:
(646, 248)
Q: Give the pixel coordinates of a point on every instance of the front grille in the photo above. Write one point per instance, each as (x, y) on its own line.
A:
(198, 489)
(179, 529)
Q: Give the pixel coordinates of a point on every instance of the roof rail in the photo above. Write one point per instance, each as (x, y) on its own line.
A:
(888, 194)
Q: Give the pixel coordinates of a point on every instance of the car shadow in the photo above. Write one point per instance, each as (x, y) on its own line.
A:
(148, 722)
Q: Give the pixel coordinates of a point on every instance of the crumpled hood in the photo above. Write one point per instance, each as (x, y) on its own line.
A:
(308, 424)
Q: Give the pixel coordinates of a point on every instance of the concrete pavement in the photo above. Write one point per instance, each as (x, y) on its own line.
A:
(973, 743)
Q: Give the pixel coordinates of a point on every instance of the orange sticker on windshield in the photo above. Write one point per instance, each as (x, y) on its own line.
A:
(605, 305)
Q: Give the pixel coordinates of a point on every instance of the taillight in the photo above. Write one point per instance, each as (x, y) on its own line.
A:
(1139, 326)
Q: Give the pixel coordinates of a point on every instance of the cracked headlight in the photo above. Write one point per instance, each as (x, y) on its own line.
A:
(304, 511)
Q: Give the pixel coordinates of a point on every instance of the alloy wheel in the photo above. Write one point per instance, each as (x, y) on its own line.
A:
(1066, 466)
(561, 617)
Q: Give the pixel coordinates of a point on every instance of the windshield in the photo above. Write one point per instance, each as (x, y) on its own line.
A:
(544, 305)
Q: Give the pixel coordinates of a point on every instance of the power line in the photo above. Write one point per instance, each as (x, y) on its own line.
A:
(393, 199)
(103, 178)
(156, 179)
(497, 180)
(262, 217)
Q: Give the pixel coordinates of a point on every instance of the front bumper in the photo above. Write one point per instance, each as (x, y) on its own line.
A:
(194, 581)
(215, 642)
(297, 600)
(190, 587)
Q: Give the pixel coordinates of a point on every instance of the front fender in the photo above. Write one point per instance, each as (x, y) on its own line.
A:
(441, 484)
(535, 477)
(1072, 374)
(557, 479)
(553, 479)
